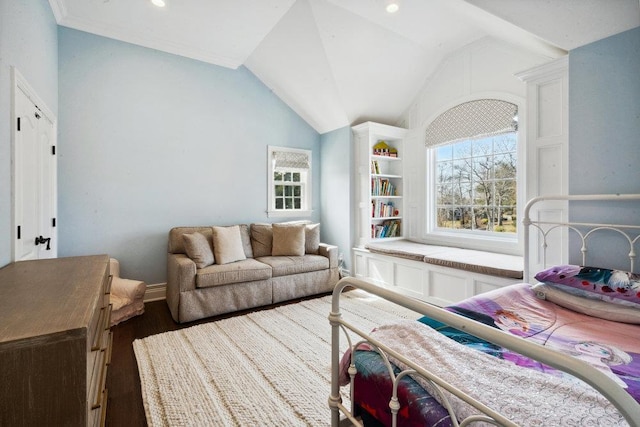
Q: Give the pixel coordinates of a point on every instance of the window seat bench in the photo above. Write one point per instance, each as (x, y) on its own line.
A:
(438, 274)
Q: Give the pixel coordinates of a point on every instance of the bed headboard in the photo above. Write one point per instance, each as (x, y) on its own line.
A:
(536, 242)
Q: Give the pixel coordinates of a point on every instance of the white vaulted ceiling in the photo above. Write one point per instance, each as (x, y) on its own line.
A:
(340, 62)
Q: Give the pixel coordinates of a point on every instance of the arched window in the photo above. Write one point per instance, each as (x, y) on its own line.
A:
(472, 175)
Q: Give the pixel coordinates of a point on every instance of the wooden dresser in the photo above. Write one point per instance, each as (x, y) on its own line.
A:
(55, 342)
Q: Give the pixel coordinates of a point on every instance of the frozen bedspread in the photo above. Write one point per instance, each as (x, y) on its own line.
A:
(539, 395)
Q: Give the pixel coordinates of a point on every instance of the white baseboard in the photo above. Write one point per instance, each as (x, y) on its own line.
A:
(155, 292)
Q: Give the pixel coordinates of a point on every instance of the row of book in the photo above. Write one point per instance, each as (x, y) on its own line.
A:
(383, 187)
(383, 210)
(390, 228)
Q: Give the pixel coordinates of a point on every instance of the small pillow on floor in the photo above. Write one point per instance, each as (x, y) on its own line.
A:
(227, 245)
(198, 249)
(288, 240)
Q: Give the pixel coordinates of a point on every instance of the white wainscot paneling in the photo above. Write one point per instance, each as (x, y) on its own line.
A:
(409, 279)
(550, 109)
(380, 271)
(431, 283)
(448, 286)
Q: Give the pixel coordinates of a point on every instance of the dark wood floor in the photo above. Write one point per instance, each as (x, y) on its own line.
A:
(124, 406)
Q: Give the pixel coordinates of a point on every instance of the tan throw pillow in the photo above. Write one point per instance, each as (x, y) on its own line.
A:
(227, 244)
(261, 239)
(199, 249)
(312, 238)
(288, 240)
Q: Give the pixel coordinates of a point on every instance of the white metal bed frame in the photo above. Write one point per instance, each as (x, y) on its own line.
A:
(626, 405)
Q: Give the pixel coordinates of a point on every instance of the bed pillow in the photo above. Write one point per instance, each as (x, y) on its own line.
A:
(588, 306)
(199, 249)
(608, 285)
(227, 244)
(288, 240)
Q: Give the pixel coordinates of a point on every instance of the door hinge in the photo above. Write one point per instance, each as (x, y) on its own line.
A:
(53, 222)
(18, 124)
(19, 233)
(53, 150)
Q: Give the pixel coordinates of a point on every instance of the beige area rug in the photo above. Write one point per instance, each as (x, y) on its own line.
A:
(268, 368)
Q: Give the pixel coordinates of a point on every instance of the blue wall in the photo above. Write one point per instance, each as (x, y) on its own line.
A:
(28, 42)
(150, 140)
(337, 220)
(604, 115)
(604, 137)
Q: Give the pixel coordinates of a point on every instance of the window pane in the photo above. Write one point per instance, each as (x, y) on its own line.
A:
(505, 166)
(461, 149)
(482, 147)
(475, 186)
(279, 203)
(296, 177)
(279, 190)
(505, 143)
(444, 152)
(287, 176)
(288, 190)
(444, 195)
(297, 202)
(277, 176)
(297, 191)
(288, 203)
(444, 171)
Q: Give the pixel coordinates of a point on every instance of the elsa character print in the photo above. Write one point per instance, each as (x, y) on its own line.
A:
(602, 357)
(511, 322)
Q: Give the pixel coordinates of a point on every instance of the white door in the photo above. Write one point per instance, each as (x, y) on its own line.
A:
(35, 204)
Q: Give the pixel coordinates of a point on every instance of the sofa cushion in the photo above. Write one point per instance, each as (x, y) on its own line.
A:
(286, 265)
(199, 249)
(248, 270)
(227, 244)
(261, 239)
(288, 239)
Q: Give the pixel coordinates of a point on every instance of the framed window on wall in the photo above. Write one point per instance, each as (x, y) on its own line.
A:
(472, 174)
(289, 181)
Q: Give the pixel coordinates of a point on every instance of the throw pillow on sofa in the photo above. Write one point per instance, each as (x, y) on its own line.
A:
(288, 239)
(261, 239)
(199, 249)
(312, 238)
(227, 244)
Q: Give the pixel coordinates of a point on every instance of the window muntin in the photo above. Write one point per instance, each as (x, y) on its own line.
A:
(475, 185)
(289, 190)
(289, 182)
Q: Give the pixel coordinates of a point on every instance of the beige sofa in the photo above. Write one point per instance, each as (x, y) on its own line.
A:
(215, 270)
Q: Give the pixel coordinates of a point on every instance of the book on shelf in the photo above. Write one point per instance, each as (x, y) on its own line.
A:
(383, 210)
(383, 187)
(375, 167)
(389, 228)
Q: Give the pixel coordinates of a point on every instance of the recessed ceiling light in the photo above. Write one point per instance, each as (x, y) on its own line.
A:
(392, 7)
(159, 3)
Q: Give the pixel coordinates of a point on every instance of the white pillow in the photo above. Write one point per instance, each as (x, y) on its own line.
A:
(591, 307)
(227, 244)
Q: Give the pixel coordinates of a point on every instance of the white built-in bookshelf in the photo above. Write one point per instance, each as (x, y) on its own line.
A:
(379, 150)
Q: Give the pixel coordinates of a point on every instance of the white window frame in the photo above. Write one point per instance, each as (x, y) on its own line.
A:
(487, 241)
(305, 180)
